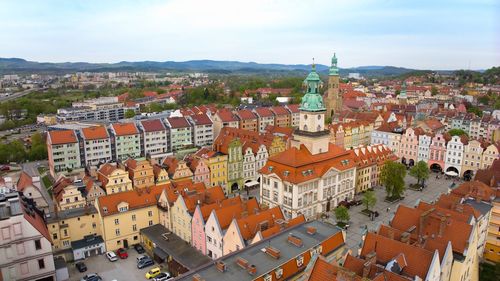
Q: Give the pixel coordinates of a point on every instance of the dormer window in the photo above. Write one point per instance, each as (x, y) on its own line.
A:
(105, 210)
(123, 209)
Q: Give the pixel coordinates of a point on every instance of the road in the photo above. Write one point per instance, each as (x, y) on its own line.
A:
(19, 94)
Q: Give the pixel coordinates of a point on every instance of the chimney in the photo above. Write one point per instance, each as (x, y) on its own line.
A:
(423, 219)
(197, 277)
(405, 237)
(252, 269)
(220, 265)
(390, 233)
(295, 240)
(273, 252)
(442, 225)
(311, 230)
(243, 263)
(366, 269)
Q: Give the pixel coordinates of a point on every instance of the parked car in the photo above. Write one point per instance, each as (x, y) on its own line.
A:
(164, 279)
(355, 203)
(91, 277)
(345, 204)
(4, 168)
(111, 256)
(162, 276)
(139, 248)
(122, 253)
(81, 266)
(141, 257)
(145, 263)
(153, 273)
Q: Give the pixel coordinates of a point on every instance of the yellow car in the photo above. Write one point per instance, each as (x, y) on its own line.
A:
(153, 273)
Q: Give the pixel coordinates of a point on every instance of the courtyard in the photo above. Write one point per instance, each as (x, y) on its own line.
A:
(359, 222)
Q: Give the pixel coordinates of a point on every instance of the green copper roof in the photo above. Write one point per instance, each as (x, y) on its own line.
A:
(402, 94)
(312, 100)
(334, 70)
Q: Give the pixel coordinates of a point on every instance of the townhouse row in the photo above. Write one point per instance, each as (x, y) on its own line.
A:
(72, 149)
(453, 155)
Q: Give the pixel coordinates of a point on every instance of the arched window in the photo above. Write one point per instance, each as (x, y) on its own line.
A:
(305, 127)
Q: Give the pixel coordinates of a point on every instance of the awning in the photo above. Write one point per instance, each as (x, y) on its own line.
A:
(452, 173)
(251, 183)
(160, 253)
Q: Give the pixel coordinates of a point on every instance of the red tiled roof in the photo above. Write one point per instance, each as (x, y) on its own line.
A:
(178, 122)
(94, 133)
(201, 119)
(62, 137)
(246, 114)
(37, 221)
(135, 199)
(125, 129)
(226, 116)
(153, 125)
(24, 181)
(294, 108)
(263, 112)
(280, 110)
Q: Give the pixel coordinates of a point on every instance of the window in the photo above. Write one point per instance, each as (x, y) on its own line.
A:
(150, 213)
(24, 268)
(117, 222)
(38, 244)
(54, 236)
(20, 248)
(66, 243)
(133, 217)
(134, 227)
(117, 232)
(41, 264)
(150, 223)
(279, 273)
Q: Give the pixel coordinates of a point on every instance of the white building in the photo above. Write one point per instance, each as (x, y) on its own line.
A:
(388, 134)
(96, 145)
(454, 155)
(155, 140)
(202, 129)
(424, 143)
(25, 245)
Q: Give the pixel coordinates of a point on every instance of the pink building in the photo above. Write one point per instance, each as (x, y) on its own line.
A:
(200, 217)
(201, 172)
(437, 151)
(408, 149)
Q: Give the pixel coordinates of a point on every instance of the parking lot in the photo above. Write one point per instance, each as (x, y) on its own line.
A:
(358, 221)
(120, 270)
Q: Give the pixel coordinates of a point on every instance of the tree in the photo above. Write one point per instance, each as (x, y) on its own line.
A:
(130, 113)
(434, 91)
(392, 176)
(420, 171)
(342, 214)
(369, 200)
(456, 132)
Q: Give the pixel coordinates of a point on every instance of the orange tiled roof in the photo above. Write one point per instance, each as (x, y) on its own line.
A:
(418, 259)
(125, 129)
(94, 133)
(248, 226)
(246, 114)
(24, 181)
(299, 165)
(62, 137)
(135, 199)
(475, 189)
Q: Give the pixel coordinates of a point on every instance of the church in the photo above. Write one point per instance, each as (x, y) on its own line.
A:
(313, 175)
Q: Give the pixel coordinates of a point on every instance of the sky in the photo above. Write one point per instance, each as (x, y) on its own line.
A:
(421, 34)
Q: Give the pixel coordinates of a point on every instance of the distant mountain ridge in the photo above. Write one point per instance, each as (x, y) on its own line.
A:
(18, 65)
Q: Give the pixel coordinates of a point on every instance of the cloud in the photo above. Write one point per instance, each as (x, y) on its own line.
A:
(424, 34)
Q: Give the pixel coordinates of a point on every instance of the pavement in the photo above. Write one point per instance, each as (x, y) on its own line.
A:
(359, 222)
(120, 270)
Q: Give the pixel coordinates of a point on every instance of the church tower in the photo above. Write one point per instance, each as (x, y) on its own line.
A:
(403, 98)
(333, 98)
(311, 131)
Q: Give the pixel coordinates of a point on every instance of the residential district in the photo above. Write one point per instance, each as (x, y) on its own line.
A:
(254, 192)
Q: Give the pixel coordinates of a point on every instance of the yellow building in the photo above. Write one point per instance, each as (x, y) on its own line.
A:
(472, 158)
(114, 179)
(489, 155)
(492, 247)
(68, 194)
(141, 173)
(123, 214)
(161, 175)
(217, 163)
(71, 225)
(277, 146)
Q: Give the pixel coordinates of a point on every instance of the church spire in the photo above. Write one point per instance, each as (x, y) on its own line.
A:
(334, 70)
(312, 100)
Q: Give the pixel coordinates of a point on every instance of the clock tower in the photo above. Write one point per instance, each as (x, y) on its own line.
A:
(311, 131)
